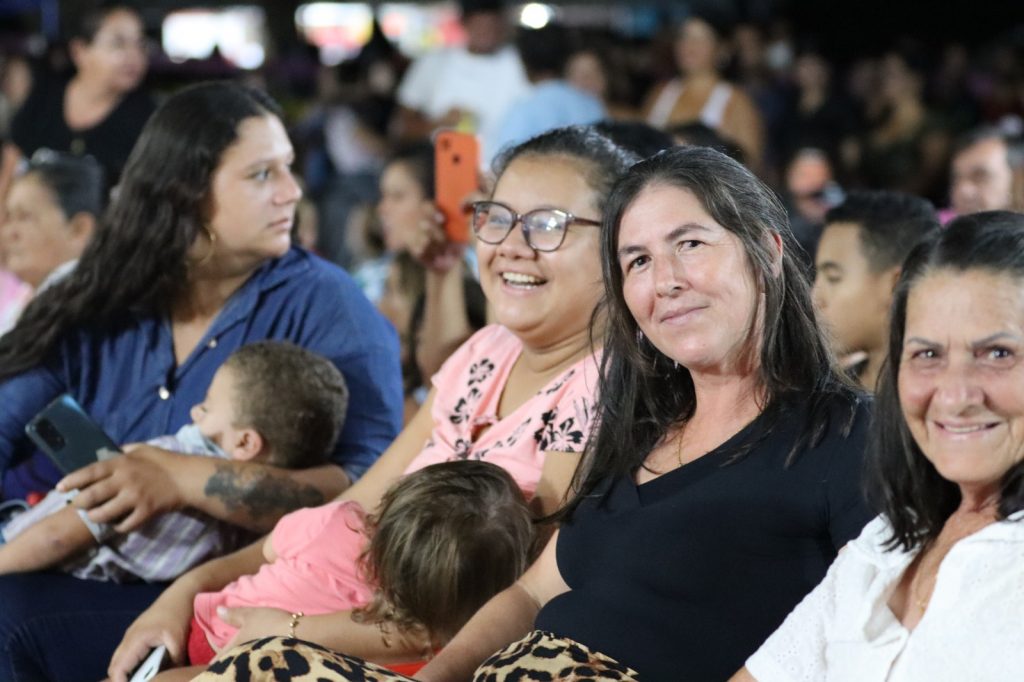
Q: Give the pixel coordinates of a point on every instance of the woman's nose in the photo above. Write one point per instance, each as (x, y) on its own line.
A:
(289, 192)
(515, 244)
(666, 279)
(959, 388)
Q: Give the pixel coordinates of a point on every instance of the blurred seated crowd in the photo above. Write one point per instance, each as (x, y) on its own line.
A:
(724, 373)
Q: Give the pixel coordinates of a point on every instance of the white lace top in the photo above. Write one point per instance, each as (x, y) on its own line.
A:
(844, 630)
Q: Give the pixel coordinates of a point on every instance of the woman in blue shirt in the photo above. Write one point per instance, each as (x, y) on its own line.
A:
(193, 260)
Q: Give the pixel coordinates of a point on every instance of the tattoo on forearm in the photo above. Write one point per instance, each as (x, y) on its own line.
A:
(259, 492)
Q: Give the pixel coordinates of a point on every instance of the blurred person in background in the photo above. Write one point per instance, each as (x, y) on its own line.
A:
(905, 148)
(701, 94)
(15, 84)
(818, 116)
(751, 70)
(987, 172)
(101, 110)
(810, 191)
(469, 87)
(344, 140)
(52, 211)
(552, 101)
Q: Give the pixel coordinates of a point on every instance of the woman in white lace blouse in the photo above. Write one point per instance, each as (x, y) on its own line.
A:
(933, 589)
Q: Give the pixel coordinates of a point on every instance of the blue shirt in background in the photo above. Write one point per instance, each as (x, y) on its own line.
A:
(550, 104)
(128, 380)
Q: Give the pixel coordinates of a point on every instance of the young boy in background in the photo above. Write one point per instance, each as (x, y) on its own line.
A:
(859, 255)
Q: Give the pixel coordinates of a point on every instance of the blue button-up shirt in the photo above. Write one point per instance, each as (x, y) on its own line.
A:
(128, 380)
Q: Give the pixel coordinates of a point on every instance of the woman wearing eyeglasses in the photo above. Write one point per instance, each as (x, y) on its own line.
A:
(519, 393)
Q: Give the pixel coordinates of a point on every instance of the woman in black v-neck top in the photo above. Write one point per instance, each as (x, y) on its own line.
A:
(680, 576)
(725, 473)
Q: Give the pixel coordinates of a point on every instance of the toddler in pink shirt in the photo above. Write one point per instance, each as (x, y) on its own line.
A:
(412, 580)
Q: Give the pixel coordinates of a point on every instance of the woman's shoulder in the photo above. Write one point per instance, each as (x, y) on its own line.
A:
(309, 272)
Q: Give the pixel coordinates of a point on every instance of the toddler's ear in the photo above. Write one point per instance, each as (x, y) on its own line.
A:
(247, 446)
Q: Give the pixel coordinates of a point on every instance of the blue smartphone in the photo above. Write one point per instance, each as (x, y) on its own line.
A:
(69, 436)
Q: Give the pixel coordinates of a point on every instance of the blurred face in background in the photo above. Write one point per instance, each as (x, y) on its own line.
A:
(811, 72)
(807, 177)
(982, 179)
(116, 56)
(485, 31)
(402, 205)
(586, 72)
(36, 236)
(897, 80)
(696, 47)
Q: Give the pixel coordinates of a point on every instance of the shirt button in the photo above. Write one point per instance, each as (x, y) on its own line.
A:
(163, 393)
(212, 343)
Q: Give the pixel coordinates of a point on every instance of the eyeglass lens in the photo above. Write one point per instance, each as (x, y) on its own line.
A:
(544, 228)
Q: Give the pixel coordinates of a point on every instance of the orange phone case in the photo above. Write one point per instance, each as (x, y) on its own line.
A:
(456, 160)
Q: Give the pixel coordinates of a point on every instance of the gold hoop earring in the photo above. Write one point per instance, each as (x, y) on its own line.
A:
(211, 237)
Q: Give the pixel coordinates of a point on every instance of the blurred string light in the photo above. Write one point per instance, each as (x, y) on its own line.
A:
(238, 33)
(340, 29)
(536, 15)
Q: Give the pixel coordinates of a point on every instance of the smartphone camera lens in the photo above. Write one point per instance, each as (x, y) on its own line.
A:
(50, 435)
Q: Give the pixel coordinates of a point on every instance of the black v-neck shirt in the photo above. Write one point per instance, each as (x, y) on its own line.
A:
(683, 577)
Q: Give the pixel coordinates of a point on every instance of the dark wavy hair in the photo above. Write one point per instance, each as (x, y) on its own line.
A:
(137, 263)
(642, 396)
(603, 161)
(903, 484)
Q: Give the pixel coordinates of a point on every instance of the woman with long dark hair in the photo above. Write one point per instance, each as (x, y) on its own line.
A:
(192, 260)
(932, 589)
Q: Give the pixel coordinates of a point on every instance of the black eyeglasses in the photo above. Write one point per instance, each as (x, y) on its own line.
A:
(543, 228)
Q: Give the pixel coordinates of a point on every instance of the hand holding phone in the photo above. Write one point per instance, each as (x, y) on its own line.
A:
(456, 162)
(151, 665)
(69, 436)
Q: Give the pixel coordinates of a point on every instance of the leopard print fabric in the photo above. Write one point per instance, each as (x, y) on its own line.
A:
(542, 656)
(538, 657)
(281, 659)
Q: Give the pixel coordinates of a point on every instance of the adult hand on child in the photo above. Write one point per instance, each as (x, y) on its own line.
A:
(130, 489)
(254, 623)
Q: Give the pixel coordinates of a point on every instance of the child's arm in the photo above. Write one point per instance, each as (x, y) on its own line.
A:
(336, 631)
(48, 543)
